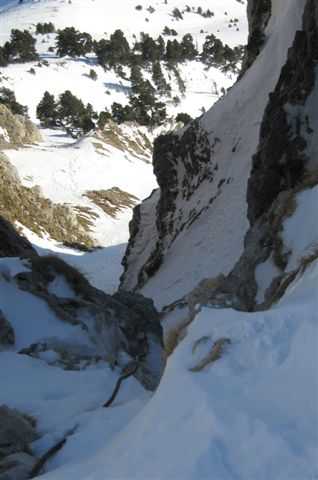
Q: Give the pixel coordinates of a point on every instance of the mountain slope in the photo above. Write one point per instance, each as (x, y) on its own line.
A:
(203, 87)
(242, 417)
(227, 246)
(203, 217)
(74, 169)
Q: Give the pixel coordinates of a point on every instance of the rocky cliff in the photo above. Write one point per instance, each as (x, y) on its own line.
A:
(223, 173)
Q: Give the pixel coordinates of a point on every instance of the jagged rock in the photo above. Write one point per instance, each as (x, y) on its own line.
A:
(258, 14)
(123, 322)
(264, 239)
(7, 336)
(129, 137)
(17, 466)
(17, 431)
(191, 148)
(143, 333)
(281, 160)
(16, 129)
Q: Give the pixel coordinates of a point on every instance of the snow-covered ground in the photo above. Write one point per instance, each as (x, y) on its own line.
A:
(65, 170)
(252, 414)
(100, 19)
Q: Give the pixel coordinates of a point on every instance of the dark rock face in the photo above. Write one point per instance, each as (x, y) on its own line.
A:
(190, 149)
(259, 13)
(281, 159)
(11, 243)
(7, 336)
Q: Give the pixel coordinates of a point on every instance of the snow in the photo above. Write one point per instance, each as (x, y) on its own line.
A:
(61, 288)
(203, 87)
(65, 169)
(60, 400)
(302, 241)
(252, 414)
(65, 172)
(241, 417)
(264, 274)
(32, 319)
(214, 242)
(103, 20)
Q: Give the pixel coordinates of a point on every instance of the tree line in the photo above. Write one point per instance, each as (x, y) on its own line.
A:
(116, 52)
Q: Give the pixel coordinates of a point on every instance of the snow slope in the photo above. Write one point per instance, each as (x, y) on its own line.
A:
(214, 241)
(101, 19)
(59, 399)
(65, 171)
(253, 414)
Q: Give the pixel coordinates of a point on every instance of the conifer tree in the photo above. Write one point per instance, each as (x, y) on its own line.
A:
(46, 110)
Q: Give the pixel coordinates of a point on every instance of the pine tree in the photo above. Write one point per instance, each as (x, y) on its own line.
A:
(113, 52)
(121, 113)
(173, 51)
(3, 57)
(120, 49)
(188, 50)
(103, 118)
(184, 118)
(7, 98)
(43, 28)
(73, 43)
(136, 78)
(46, 110)
(161, 47)
(159, 79)
(213, 51)
(21, 47)
(149, 49)
(177, 14)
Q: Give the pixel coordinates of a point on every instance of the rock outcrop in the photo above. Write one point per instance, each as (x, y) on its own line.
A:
(28, 207)
(122, 327)
(17, 432)
(258, 14)
(287, 129)
(11, 243)
(191, 148)
(7, 336)
(16, 129)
